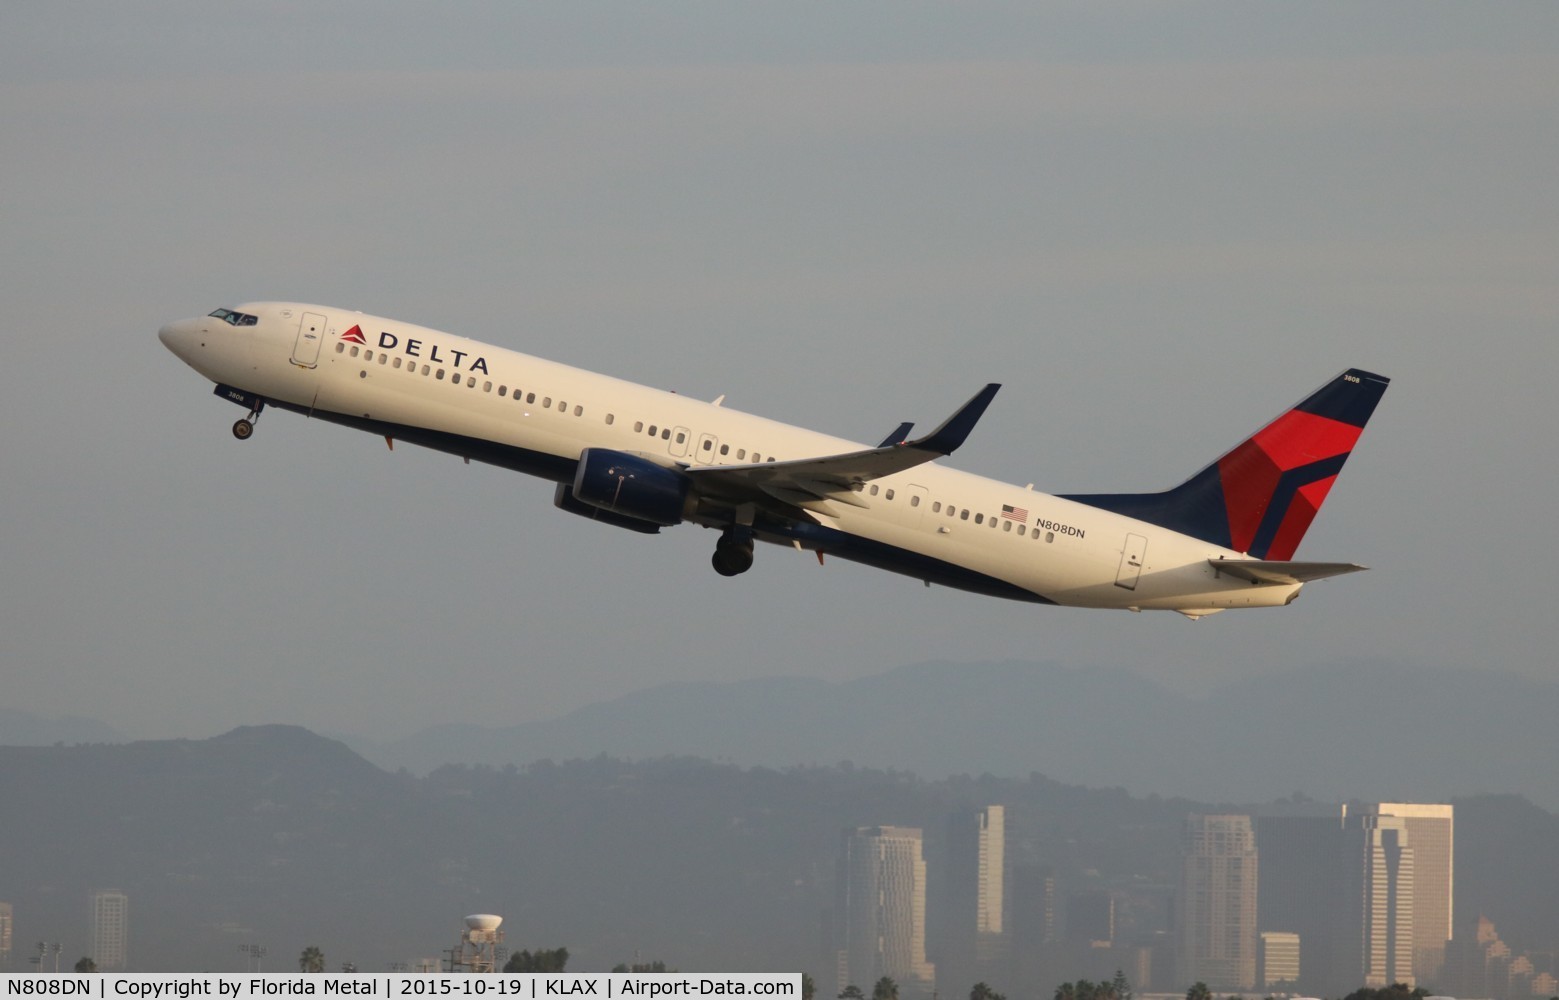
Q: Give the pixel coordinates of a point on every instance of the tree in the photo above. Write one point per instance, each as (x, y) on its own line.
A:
(1396, 991)
(85, 964)
(851, 992)
(981, 991)
(1199, 991)
(312, 960)
(1120, 987)
(885, 989)
(808, 987)
(542, 960)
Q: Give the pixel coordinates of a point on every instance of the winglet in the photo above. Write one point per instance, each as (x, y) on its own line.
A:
(946, 439)
(899, 435)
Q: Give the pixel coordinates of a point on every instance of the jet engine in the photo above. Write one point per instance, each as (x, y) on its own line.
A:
(625, 490)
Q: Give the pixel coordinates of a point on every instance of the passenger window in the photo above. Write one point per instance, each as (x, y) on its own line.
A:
(708, 445)
(725, 449)
(397, 362)
(741, 454)
(440, 375)
(914, 500)
(562, 406)
(368, 355)
(681, 437)
(963, 515)
(951, 510)
(936, 506)
(665, 435)
(1022, 530)
(425, 369)
(889, 494)
(470, 381)
(503, 390)
(579, 411)
(530, 397)
(1050, 536)
(1006, 525)
(610, 419)
(340, 347)
(383, 358)
(874, 489)
(487, 387)
(546, 402)
(756, 458)
(979, 519)
(638, 427)
(354, 350)
(653, 431)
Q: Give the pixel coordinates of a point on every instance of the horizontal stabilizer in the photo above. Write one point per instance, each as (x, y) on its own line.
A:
(1263, 571)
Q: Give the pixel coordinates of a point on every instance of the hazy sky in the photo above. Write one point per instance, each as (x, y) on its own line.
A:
(1158, 224)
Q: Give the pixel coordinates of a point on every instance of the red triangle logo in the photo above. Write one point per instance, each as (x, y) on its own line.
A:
(354, 336)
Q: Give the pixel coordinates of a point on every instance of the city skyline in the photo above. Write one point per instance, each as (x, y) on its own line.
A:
(1115, 919)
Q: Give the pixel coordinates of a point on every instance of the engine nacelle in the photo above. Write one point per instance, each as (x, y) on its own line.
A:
(563, 498)
(627, 486)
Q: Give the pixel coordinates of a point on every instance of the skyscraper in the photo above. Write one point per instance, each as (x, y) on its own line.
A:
(974, 928)
(1031, 928)
(6, 921)
(1304, 866)
(1217, 921)
(880, 911)
(1380, 924)
(1431, 828)
(110, 930)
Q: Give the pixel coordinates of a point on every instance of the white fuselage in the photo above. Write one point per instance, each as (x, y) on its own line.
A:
(459, 395)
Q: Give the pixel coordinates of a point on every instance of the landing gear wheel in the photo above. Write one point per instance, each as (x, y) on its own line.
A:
(733, 553)
(243, 429)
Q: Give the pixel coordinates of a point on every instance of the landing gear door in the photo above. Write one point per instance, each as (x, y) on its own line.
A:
(1132, 555)
(311, 332)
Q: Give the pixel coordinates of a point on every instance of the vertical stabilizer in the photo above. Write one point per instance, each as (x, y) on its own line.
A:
(1261, 497)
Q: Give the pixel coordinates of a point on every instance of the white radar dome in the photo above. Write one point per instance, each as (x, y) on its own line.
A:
(483, 921)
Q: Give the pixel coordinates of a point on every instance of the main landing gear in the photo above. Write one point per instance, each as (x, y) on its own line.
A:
(733, 552)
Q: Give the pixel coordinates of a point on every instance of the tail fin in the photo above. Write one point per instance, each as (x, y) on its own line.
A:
(1260, 497)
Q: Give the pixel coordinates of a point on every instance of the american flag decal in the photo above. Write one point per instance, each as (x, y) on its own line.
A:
(1012, 513)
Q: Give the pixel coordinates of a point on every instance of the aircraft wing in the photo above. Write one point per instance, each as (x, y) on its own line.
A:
(805, 481)
(1264, 571)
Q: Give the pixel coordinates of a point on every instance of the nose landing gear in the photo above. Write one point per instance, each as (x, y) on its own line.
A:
(733, 552)
(244, 428)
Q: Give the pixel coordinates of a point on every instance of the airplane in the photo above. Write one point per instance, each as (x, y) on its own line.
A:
(644, 459)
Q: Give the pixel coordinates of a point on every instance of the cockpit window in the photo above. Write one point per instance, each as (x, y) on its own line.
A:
(235, 318)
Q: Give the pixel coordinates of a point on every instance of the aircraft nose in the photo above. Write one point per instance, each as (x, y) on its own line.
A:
(178, 336)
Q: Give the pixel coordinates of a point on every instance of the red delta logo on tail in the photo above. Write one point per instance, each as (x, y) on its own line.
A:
(1260, 498)
(1285, 470)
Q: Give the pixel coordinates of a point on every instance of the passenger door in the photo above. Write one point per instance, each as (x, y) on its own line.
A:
(311, 331)
(1132, 556)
